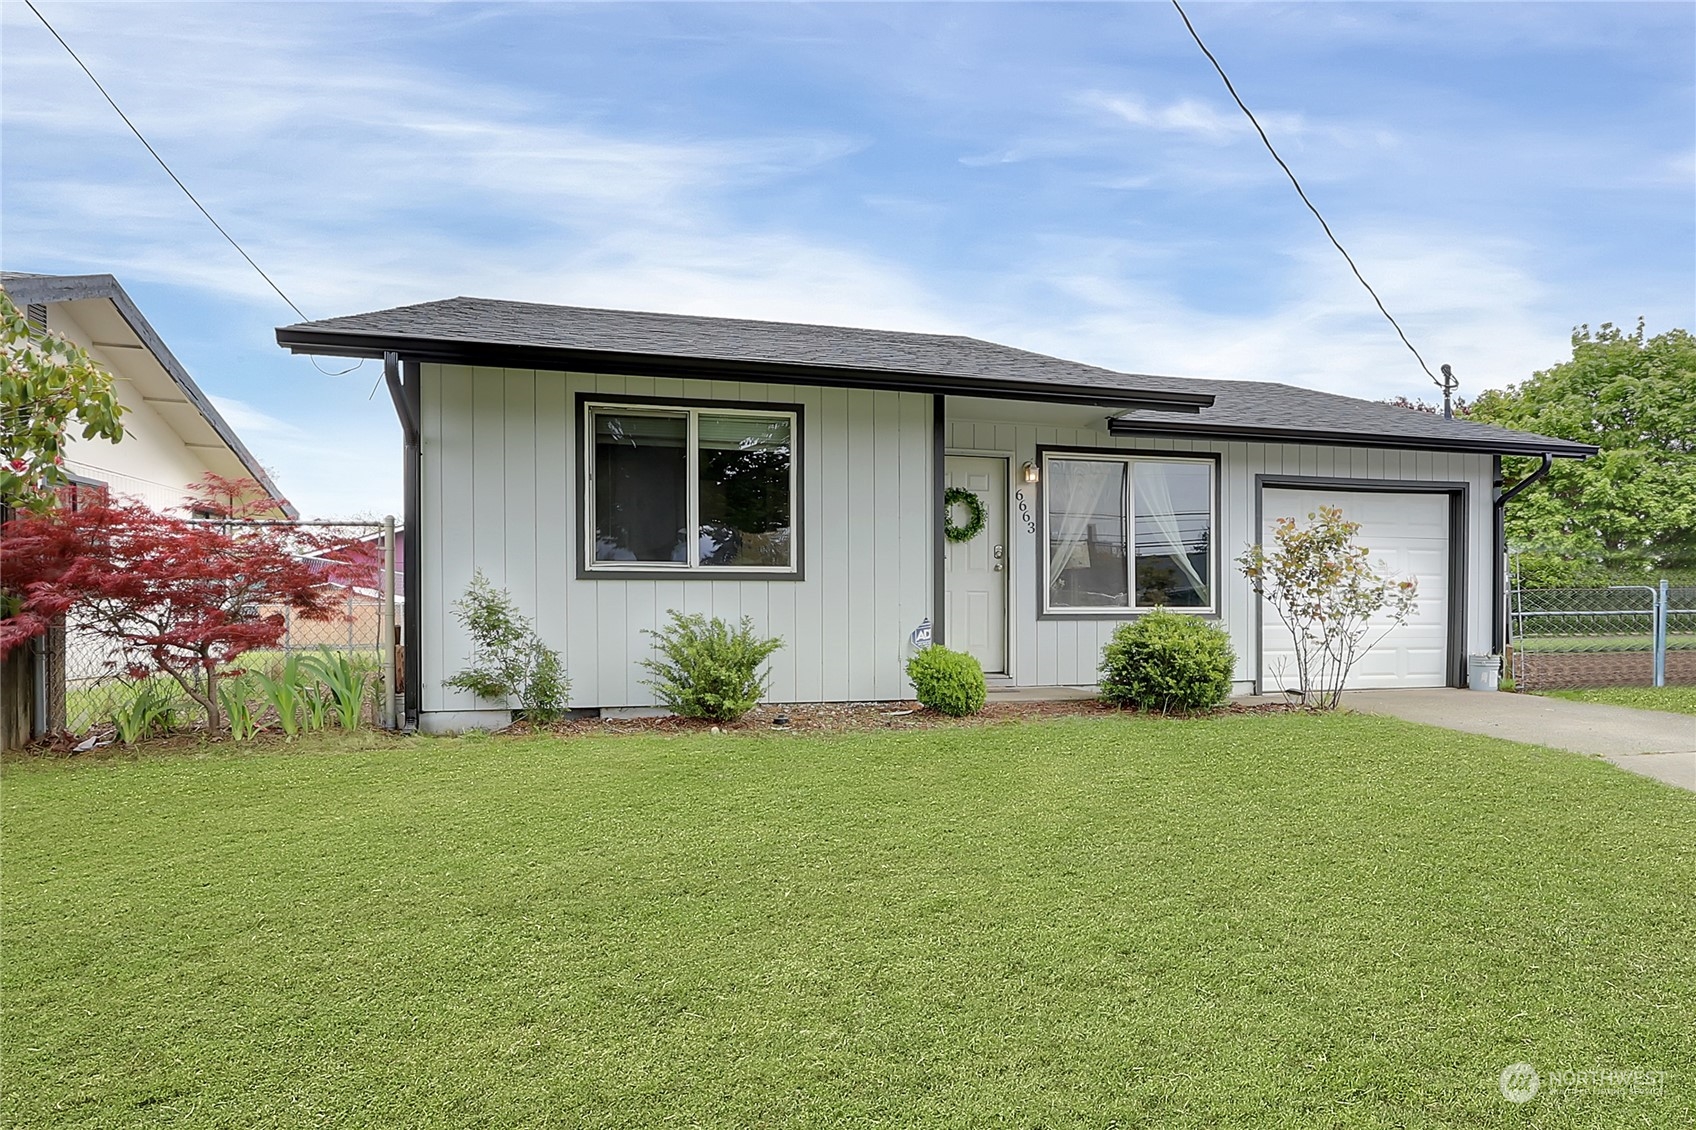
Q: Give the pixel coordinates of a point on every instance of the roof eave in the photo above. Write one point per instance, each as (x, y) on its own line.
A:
(1532, 445)
(77, 288)
(303, 340)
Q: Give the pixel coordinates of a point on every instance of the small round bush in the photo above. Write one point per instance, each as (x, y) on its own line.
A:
(948, 681)
(1164, 661)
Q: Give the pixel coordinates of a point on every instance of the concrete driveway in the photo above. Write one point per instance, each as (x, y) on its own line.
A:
(1654, 743)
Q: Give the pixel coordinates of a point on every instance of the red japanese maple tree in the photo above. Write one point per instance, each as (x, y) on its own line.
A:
(173, 594)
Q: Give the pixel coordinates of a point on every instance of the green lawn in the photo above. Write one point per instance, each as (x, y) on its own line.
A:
(1643, 641)
(1681, 700)
(1246, 921)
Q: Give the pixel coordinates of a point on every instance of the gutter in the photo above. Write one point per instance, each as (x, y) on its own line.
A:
(1532, 445)
(1499, 629)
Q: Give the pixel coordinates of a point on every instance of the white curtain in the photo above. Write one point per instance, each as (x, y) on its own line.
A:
(1083, 493)
(1155, 515)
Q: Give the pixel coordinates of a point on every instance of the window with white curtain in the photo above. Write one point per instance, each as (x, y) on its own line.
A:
(1128, 533)
(690, 488)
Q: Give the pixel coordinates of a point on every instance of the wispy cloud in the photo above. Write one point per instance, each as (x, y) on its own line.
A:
(1112, 205)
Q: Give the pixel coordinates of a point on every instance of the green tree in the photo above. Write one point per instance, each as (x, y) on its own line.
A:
(1632, 507)
(49, 382)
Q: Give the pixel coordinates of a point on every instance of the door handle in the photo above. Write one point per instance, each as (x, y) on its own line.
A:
(999, 566)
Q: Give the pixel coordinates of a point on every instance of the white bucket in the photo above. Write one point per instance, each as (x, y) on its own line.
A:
(1484, 672)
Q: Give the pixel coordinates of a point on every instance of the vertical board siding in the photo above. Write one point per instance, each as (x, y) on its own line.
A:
(499, 494)
(1048, 652)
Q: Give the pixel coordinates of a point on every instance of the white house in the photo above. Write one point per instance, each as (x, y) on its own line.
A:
(172, 433)
(607, 466)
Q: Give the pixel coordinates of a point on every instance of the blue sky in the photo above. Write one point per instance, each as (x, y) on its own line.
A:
(1066, 178)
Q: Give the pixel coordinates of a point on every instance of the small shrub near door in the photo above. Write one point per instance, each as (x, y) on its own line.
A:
(707, 669)
(1165, 662)
(948, 681)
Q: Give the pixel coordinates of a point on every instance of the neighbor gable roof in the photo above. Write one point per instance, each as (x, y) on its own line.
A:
(482, 331)
(30, 289)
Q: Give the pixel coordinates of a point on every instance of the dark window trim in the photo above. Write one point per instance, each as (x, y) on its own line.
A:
(582, 453)
(1460, 509)
(1216, 612)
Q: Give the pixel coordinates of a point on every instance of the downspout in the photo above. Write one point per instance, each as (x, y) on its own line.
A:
(1499, 633)
(404, 392)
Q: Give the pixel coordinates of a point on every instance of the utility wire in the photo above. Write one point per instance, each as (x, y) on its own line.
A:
(178, 180)
(1446, 387)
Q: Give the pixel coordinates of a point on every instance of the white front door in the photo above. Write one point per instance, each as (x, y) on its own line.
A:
(1407, 534)
(975, 617)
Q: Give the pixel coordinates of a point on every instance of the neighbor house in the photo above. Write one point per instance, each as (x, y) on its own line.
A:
(606, 467)
(173, 434)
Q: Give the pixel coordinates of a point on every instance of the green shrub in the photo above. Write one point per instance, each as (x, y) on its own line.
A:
(948, 681)
(1164, 661)
(344, 680)
(508, 659)
(153, 709)
(706, 669)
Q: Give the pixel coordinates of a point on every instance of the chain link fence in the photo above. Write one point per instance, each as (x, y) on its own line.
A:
(1630, 635)
(93, 687)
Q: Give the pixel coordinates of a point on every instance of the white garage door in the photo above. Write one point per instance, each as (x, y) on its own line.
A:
(1409, 535)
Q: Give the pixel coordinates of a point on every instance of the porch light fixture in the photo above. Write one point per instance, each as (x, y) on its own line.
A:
(1031, 475)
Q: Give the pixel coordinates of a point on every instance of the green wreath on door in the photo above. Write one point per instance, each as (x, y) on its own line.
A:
(960, 496)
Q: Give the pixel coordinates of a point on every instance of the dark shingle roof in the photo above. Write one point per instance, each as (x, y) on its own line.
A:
(488, 331)
(1264, 410)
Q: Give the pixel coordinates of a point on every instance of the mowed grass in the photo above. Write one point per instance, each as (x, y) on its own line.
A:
(1244, 921)
(1678, 700)
(1640, 641)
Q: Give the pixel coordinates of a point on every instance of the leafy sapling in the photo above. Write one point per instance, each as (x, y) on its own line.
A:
(1326, 591)
(508, 659)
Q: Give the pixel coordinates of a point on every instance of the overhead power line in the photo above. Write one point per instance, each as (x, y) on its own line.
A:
(110, 101)
(1446, 386)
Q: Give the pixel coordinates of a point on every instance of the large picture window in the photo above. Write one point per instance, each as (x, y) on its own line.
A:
(1128, 533)
(689, 488)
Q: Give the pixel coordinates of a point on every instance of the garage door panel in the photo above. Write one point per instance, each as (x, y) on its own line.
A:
(1405, 534)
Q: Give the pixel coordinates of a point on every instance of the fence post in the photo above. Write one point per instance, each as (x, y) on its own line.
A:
(1661, 605)
(390, 720)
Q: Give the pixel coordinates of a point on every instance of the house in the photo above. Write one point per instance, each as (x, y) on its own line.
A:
(172, 433)
(172, 437)
(607, 466)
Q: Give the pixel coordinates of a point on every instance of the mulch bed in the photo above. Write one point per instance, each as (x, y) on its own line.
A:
(801, 718)
(846, 717)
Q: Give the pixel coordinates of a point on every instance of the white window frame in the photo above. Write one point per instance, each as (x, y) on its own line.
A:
(692, 511)
(1131, 609)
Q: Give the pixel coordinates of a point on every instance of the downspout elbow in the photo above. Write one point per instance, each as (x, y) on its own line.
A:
(1540, 473)
(397, 392)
